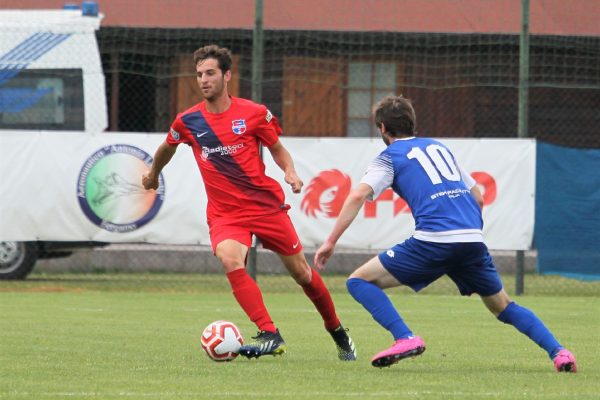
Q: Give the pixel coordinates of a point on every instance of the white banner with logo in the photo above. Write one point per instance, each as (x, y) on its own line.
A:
(503, 168)
(72, 187)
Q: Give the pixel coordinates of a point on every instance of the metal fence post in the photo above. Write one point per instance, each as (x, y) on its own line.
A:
(257, 77)
(523, 129)
(520, 273)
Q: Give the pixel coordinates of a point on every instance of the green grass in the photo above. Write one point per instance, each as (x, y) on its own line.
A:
(137, 337)
(202, 283)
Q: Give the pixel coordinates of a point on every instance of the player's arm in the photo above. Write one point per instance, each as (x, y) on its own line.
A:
(472, 186)
(284, 160)
(163, 155)
(379, 176)
(476, 193)
(350, 209)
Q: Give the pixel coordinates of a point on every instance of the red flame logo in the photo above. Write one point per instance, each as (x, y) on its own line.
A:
(326, 193)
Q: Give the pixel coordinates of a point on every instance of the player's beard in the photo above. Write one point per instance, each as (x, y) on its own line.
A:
(216, 92)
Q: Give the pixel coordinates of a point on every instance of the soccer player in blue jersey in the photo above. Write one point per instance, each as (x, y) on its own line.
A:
(446, 205)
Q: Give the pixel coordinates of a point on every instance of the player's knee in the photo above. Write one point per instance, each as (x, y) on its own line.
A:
(302, 276)
(497, 303)
(231, 263)
(298, 268)
(355, 275)
(301, 273)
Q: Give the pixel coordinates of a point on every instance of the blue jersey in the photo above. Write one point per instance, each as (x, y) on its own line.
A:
(425, 174)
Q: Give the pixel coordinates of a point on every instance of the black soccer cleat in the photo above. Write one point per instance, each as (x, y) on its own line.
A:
(345, 345)
(264, 343)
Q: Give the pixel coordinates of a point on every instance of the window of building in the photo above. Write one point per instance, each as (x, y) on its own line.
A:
(368, 82)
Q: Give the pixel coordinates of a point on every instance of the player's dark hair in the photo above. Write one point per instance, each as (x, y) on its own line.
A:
(221, 54)
(397, 114)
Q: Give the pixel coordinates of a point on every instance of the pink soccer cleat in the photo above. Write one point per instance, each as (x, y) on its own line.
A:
(403, 348)
(565, 361)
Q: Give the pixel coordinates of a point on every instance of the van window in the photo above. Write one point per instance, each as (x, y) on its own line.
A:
(46, 99)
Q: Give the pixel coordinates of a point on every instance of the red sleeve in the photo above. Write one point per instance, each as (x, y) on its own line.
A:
(177, 133)
(268, 127)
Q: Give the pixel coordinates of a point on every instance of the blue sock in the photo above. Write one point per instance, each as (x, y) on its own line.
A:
(375, 301)
(529, 324)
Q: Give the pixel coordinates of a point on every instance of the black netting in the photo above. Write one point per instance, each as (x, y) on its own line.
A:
(463, 85)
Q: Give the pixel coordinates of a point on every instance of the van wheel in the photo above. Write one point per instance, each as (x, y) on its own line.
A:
(17, 259)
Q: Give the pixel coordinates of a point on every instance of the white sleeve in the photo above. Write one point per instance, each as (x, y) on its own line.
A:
(467, 179)
(379, 175)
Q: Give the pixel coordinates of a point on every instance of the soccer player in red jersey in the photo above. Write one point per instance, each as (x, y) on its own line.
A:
(225, 134)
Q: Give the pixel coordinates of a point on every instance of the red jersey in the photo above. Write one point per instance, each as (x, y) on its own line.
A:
(226, 148)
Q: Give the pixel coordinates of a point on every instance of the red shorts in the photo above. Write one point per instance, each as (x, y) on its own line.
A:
(275, 231)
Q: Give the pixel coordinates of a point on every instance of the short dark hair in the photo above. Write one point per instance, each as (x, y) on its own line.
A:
(397, 114)
(221, 54)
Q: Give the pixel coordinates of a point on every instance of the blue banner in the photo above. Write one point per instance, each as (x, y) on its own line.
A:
(567, 217)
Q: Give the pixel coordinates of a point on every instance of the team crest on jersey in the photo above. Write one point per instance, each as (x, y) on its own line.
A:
(174, 134)
(238, 126)
(269, 116)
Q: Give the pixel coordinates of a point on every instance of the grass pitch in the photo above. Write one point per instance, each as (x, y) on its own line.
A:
(112, 336)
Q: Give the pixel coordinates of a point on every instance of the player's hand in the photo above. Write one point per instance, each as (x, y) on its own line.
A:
(292, 179)
(323, 254)
(149, 182)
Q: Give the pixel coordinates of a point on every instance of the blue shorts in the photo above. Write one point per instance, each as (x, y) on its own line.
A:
(416, 264)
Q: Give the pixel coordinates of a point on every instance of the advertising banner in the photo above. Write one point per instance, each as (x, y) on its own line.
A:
(503, 168)
(74, 187)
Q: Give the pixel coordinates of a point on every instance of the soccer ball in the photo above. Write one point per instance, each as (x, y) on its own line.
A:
(222, 340)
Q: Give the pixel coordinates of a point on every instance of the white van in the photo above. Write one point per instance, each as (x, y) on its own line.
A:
(51, 79)
(50, 71)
